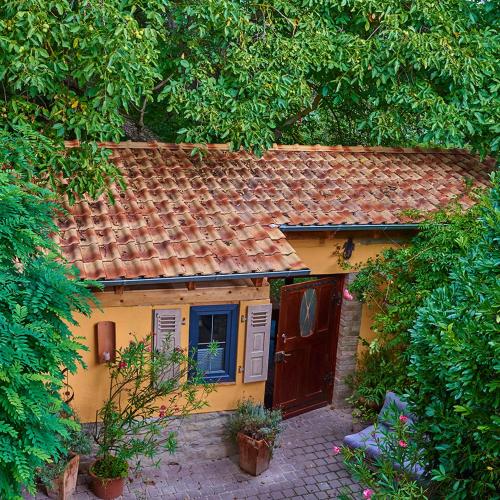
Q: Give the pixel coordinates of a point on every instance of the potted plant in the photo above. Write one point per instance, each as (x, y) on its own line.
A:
(256, 430)
(59, 478)
(147, 388)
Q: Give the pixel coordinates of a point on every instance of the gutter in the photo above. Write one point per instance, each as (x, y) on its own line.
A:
(204, 277)
(348, 227)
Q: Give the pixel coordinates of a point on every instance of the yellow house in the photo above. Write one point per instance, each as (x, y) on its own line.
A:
(249, 252)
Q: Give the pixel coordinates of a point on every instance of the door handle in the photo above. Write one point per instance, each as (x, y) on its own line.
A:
(280, 357)
(283, 337)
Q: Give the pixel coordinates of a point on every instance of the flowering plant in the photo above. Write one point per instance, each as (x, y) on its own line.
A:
(392, 475)
(147, 388)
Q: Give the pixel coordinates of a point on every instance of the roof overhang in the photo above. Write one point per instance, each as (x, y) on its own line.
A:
(204, 277)
(349, 227)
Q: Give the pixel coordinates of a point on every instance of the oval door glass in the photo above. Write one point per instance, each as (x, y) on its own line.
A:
(308, 312)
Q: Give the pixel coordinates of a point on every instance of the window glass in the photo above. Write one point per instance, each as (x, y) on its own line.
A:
(214, 325)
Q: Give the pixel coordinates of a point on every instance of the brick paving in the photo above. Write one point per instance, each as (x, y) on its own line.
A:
(303, 467)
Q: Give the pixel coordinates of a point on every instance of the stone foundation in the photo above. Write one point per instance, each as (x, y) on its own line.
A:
(202, 436)
(350, 322)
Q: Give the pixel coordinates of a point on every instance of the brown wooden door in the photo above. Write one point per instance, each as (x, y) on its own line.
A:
(305, 357)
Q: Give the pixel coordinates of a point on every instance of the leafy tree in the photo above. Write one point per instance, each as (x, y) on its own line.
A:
(69, 69)
(405, 73)
(454, 367)
(37, 299)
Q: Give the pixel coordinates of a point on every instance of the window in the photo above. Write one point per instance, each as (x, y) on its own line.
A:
(210, 324)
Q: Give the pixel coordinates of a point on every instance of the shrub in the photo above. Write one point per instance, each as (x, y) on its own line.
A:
(146, 389)
(255, 421)
(38, 297)
(454, 368)
(395, 285)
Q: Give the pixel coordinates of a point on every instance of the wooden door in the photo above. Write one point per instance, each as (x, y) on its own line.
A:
(306, 345)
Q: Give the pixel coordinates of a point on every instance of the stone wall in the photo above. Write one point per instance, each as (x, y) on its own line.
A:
(350, 322)
(202, 436)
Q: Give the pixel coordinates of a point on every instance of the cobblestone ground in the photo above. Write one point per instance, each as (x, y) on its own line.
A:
(303, 467)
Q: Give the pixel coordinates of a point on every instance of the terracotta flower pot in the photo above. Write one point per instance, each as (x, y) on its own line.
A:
(254, 455)
(106, 488)
(64, 486)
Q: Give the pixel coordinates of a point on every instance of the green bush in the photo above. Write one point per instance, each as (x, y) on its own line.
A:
(454, 368)
(395, 285)
(38, 297)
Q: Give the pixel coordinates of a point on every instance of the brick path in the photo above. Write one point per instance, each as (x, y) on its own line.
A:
(303, 467)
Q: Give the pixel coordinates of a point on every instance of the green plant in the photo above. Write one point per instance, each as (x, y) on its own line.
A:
(38, 298)
(146, 389)
(394, 285)
(390, 476)
(78, 441)
(379, 369)
(454, 368)
(255, 421)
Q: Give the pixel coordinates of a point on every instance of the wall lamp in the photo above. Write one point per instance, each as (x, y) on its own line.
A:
(348, 249)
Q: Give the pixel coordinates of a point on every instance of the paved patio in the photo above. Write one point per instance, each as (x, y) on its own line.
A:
(303, 467)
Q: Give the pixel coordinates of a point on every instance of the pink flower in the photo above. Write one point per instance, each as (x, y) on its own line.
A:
(403, 444)
(347, 295)
(336, 450)
(122, 364)
(367, 493)
(163, 407)
(403, 419)
(162, 414)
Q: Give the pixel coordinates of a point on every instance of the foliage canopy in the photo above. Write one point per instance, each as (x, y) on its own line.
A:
(247, 73)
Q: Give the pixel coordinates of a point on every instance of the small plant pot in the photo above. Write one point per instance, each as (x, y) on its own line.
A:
(64, 486)
(254, 455)
(106, 488)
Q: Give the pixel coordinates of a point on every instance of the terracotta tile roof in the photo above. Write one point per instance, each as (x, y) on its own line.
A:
(182, 216)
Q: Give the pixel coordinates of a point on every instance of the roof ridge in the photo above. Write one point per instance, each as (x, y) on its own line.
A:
(275, 147)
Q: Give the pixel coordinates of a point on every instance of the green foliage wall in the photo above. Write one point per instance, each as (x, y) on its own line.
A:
(455, 367)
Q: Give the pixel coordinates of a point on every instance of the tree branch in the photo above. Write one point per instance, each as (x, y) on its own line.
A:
(278, 132)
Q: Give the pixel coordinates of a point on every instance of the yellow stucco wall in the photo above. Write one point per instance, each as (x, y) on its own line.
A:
(320, 250)
(91, 385)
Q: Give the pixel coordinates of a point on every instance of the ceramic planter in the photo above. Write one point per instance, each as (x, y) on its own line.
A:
(254, 455)
(64, 486)
(106, 488)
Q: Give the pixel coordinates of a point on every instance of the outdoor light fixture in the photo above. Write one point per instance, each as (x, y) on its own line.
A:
(348, 249)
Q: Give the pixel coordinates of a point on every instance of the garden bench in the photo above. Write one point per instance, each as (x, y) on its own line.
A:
(369, 439)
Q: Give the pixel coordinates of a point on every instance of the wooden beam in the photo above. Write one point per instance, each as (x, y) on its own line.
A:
(205, 295)
(119, 289)
(191, 285)
(258, 282)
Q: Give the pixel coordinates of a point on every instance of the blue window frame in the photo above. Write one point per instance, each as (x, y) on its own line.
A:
(208, 324)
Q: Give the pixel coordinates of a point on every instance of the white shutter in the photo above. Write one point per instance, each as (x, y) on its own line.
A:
(257, 343)
(167, 333)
